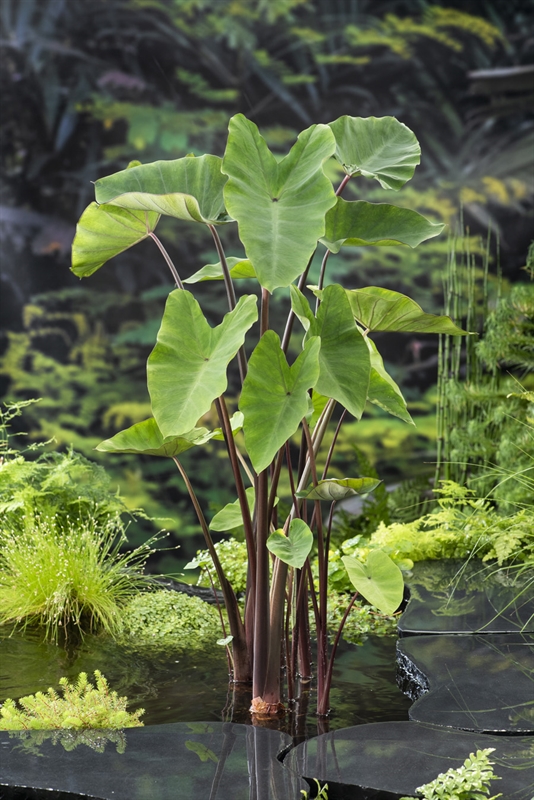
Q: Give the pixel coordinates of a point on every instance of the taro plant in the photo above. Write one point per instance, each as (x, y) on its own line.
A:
(284, 210)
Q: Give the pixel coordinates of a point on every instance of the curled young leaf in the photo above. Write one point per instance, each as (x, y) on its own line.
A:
(339, 488)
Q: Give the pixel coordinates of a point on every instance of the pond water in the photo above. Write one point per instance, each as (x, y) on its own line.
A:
(190, 686)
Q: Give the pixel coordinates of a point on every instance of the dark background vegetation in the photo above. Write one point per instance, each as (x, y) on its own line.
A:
(89, 85)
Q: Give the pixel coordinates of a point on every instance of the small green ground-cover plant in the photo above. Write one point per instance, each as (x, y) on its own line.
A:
(286, 211)
(471, 781)
(81, 705)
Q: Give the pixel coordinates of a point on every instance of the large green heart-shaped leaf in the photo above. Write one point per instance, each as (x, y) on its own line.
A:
(339, 488)
(186, 370)
(383, 391)
(377, 147)
(280, 207)
(274, 398)
(295, 548)
(239, 268)
(230, 517)
(358, 223)
(379, 580)
(145, 438)
(344, 357)
(105, 231)
(384, 310)
(188, 188)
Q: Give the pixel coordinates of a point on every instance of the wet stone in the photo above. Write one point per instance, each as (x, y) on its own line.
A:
(389, 759)
(451, 597)
(180, 761)
(475, 683)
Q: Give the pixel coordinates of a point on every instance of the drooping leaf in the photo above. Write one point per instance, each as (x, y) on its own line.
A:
(186, 370)
(295, 548)
(339, 488)
(105, 231)
(186, 188)
(344, 357)
(279, 206)
(358, 223)
(274, 398)
(383, 391)
(377, 147)
(146, 438)
(239, 268)
(379, 580)
(384, 310)
(230, 517)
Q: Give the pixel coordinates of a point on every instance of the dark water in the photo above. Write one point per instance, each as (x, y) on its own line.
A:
(186, 687)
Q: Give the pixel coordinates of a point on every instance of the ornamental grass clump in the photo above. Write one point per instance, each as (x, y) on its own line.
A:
(82, 706)
(67, 576)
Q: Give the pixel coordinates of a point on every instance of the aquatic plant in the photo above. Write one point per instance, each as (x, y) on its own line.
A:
(469, 782)
(285, 210)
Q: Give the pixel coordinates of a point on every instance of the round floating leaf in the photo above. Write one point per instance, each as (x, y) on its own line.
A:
(188, 188)
(295, 548)
(105, 231)
(358, 223)
(384, 310)
(280, 207)
(274, 398)
(146, 438)
(186, 370)
(339, 488)
(379, 580)
(239, 268)
(230, 516)
(377, 147)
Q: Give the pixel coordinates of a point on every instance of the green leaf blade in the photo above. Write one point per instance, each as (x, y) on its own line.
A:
(381, 309)
(295, 548)
(230, 517)
(377, 147)
(240, 268)
(186, 370)
(361, 224)
(383, 391)
(105, 231)
(279, 207)
(333, 489)
(187, 188)
(145, 438)
(379, 580)
(275, 398)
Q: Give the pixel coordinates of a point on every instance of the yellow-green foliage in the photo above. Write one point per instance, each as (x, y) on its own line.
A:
(81, 706)
(471, 781)
(169, 620)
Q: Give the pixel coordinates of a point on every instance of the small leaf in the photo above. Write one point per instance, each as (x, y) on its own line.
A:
(379, 580)
(230, 517)
(383, 391)
(384, 310)
(186, 188)
(224, 642)
(339, 488)
(145, 438)
(295, 548)
(105, 231)
(358, 224)
(275, 397)
(376, 147)
(280, 206)
(236, 423)
(203, 752)
(239, 268)
(186, 370)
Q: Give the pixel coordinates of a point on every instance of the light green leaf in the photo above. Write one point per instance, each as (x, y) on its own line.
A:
(105, 231)
(236, 423)
(295, 548)
(358, 223)
(384, 310)
(186, 370)
(339, 488)
(146, 438)
(383, 391)
(318, 402)
(187, 188)
(230, 517)
(224, 642)
(379, 580)
(275, 398)
(203, 752)
(280, 207)
(344, 357)
(239, 268)
(377, 147)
